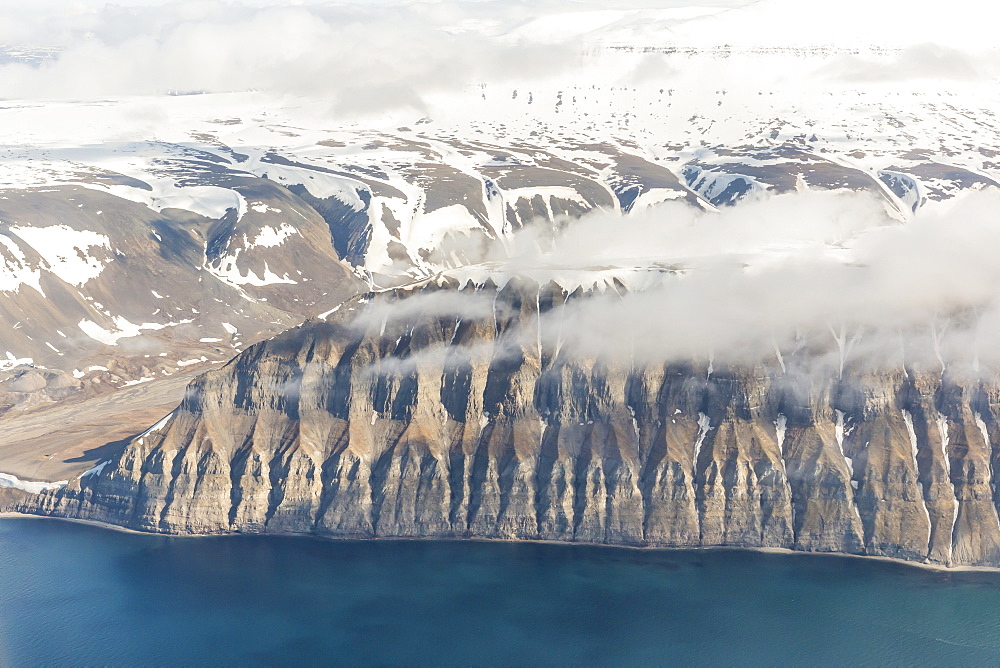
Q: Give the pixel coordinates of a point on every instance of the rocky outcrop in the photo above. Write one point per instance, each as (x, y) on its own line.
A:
(141, 281)
(26, 387)
(386, 420)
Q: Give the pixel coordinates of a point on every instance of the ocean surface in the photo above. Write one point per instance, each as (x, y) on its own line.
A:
(72, 594)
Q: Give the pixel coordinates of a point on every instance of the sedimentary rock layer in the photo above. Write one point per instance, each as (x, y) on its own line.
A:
(439, 424)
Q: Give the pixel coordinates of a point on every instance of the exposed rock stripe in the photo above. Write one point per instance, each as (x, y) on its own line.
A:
(448, 425)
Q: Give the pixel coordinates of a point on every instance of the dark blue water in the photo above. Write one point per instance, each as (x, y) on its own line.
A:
(74, 594)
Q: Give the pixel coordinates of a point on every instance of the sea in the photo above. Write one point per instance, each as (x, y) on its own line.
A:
(74, 594)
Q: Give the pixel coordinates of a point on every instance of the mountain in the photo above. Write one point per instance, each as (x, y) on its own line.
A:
(445, 426)
(709, 283)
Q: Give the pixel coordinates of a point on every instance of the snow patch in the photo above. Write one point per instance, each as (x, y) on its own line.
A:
(982, 429)
(156, 427)
(942, 425)
(124, 329)
(704, 425)
(96, 470)
(323, 316)
(66, 251)
(908, 420)
(428, 230)
(839, 431)
(208, 201)
(260, 207)
(319, 184)
(269, 237)
(16, 271)
(13, 361)
(780, 425)
(12, 481)
(232, 275)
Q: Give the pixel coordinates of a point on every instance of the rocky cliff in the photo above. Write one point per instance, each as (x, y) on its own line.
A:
(387, 421)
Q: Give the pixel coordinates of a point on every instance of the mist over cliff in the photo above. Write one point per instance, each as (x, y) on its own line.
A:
(826, 276)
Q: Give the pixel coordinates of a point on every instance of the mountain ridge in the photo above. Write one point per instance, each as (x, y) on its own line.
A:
(307, 433)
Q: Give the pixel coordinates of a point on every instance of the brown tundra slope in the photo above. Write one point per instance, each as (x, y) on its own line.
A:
(430, 424)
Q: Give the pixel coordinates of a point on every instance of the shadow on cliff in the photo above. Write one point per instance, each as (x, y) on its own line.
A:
(103, 452)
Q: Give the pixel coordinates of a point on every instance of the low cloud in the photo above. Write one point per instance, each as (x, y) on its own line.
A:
(921, 61)
(828, 280)
(362, 57)
(387, 313)
(373, 57)
(926, 293)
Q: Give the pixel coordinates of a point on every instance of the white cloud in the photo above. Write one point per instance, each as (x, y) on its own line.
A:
(392, 54)
(892, 285)
(921, 61)
(791, 273)
(361, 56)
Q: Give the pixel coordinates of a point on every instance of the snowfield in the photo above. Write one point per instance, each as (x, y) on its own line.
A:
(655, 125)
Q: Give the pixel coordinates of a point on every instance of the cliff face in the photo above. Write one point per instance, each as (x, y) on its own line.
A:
(439, 425)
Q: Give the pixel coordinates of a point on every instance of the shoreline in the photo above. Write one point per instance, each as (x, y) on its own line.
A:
(936, 568)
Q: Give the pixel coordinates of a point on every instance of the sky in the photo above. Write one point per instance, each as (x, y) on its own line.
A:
(399, 48)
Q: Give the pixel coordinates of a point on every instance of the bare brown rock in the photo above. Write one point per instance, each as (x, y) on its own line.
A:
(449, 426)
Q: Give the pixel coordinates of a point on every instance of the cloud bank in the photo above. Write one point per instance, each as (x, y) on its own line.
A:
(359, 56)
(381, 56)
(822, 279)
(828, 274)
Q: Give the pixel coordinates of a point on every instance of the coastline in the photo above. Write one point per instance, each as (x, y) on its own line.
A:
(937, 568)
